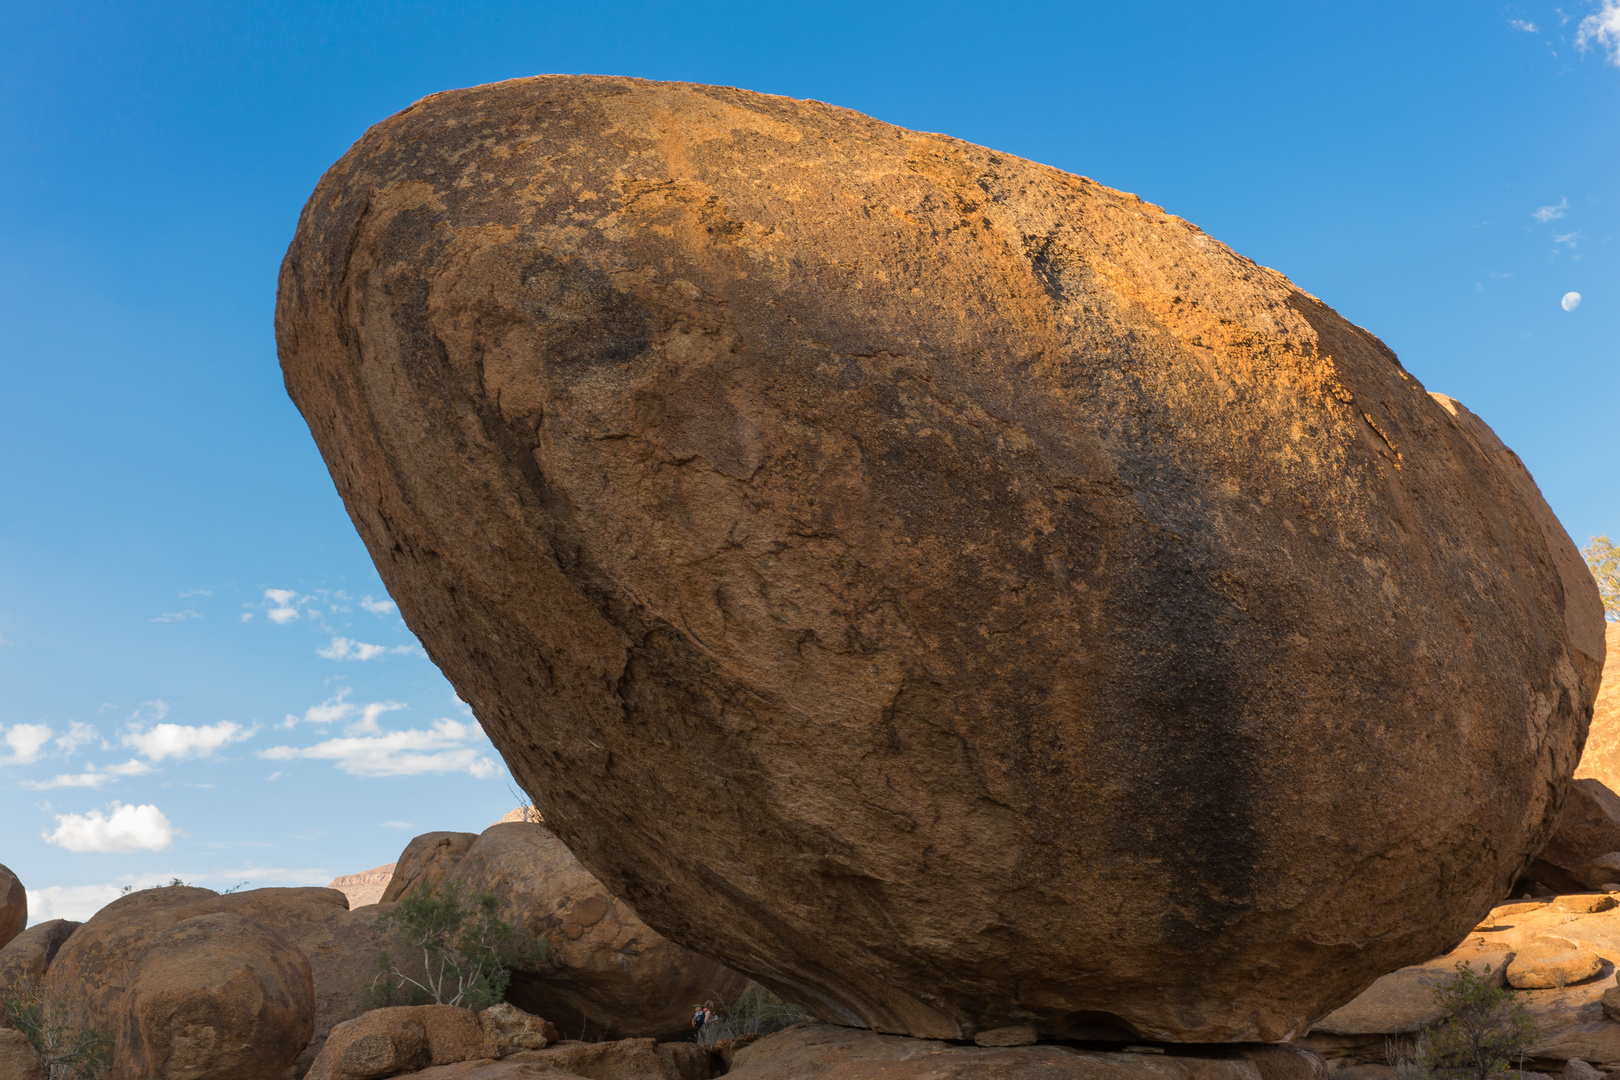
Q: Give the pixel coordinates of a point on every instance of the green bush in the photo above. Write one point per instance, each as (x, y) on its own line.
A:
(70, 1048)
(756, 1011)
(466, 952)
(1485, 1028)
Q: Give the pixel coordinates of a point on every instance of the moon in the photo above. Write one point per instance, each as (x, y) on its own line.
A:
(1571, 301)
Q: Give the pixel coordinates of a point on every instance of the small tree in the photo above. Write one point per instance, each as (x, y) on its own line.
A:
(68, 1046)
(466, 951)
(1485, 1028)
(1603, 558)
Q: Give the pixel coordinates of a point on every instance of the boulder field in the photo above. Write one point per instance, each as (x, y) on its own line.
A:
(952, 592)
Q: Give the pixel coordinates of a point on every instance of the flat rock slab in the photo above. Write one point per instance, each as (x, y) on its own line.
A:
(1403, 1001)
(938, 586)
(824, 1052)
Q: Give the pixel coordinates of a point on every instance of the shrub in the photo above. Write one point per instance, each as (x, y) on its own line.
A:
(69, 1047)
(1485, 1028)
(1603, 558)
(466, 951)
(756, 1011)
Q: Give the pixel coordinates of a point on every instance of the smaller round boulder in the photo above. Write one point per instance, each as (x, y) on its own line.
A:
(607, 974)
(216, 995)
(426, 862)
(1544, 964)
(13, 906)
(24, 959)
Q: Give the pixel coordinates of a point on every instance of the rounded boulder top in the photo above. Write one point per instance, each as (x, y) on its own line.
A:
(952, 592)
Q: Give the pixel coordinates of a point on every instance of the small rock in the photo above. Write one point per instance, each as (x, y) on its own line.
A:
(1576, 1069)
(1611, 1003)
(426, 862)
(30, 953)
(216, 995)
(13, 906)
(1541, 965)
(1020, 1035)
(510, 1029)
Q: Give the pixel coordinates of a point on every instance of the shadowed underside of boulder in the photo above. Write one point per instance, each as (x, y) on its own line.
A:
(952, 592)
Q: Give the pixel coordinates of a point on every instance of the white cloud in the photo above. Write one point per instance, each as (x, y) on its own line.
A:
(1551, 213)
(178, 616)
(378, 607)
(78, 734)
(1527, 27)
(395, 825)
(1570, 238)
(76, 902)
(196, 592)
(183, 741)
(1602, 28)
(25, 742)
(414, 752)
(126, 828)
(343, 648)
(331, 710)
(282, 609)
(92, 777)
(150, 711)
(335, 708)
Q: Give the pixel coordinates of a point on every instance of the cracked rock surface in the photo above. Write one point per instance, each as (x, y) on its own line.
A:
(952, 592)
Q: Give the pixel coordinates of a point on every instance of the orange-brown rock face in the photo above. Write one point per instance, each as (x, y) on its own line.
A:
(950, 591)
(1601, 761)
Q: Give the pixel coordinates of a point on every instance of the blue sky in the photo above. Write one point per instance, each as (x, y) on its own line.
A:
(201, 674)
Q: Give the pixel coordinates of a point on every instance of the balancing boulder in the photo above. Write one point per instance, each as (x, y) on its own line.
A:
(954, 593)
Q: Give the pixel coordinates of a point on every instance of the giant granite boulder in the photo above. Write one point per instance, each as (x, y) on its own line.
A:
(606, 974)
(101, 960)
(955, 593)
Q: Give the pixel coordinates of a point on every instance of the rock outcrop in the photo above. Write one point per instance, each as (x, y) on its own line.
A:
(364, 888)
(606, 973)
(1601, 759)
(946, 589)
(13, 906)
(25, 958)
(1566, 998)
(426, 862)
(215, 996)
(1584, 847)
(96, 964)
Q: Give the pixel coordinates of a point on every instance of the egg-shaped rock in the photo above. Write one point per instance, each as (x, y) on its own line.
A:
(952, 592)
